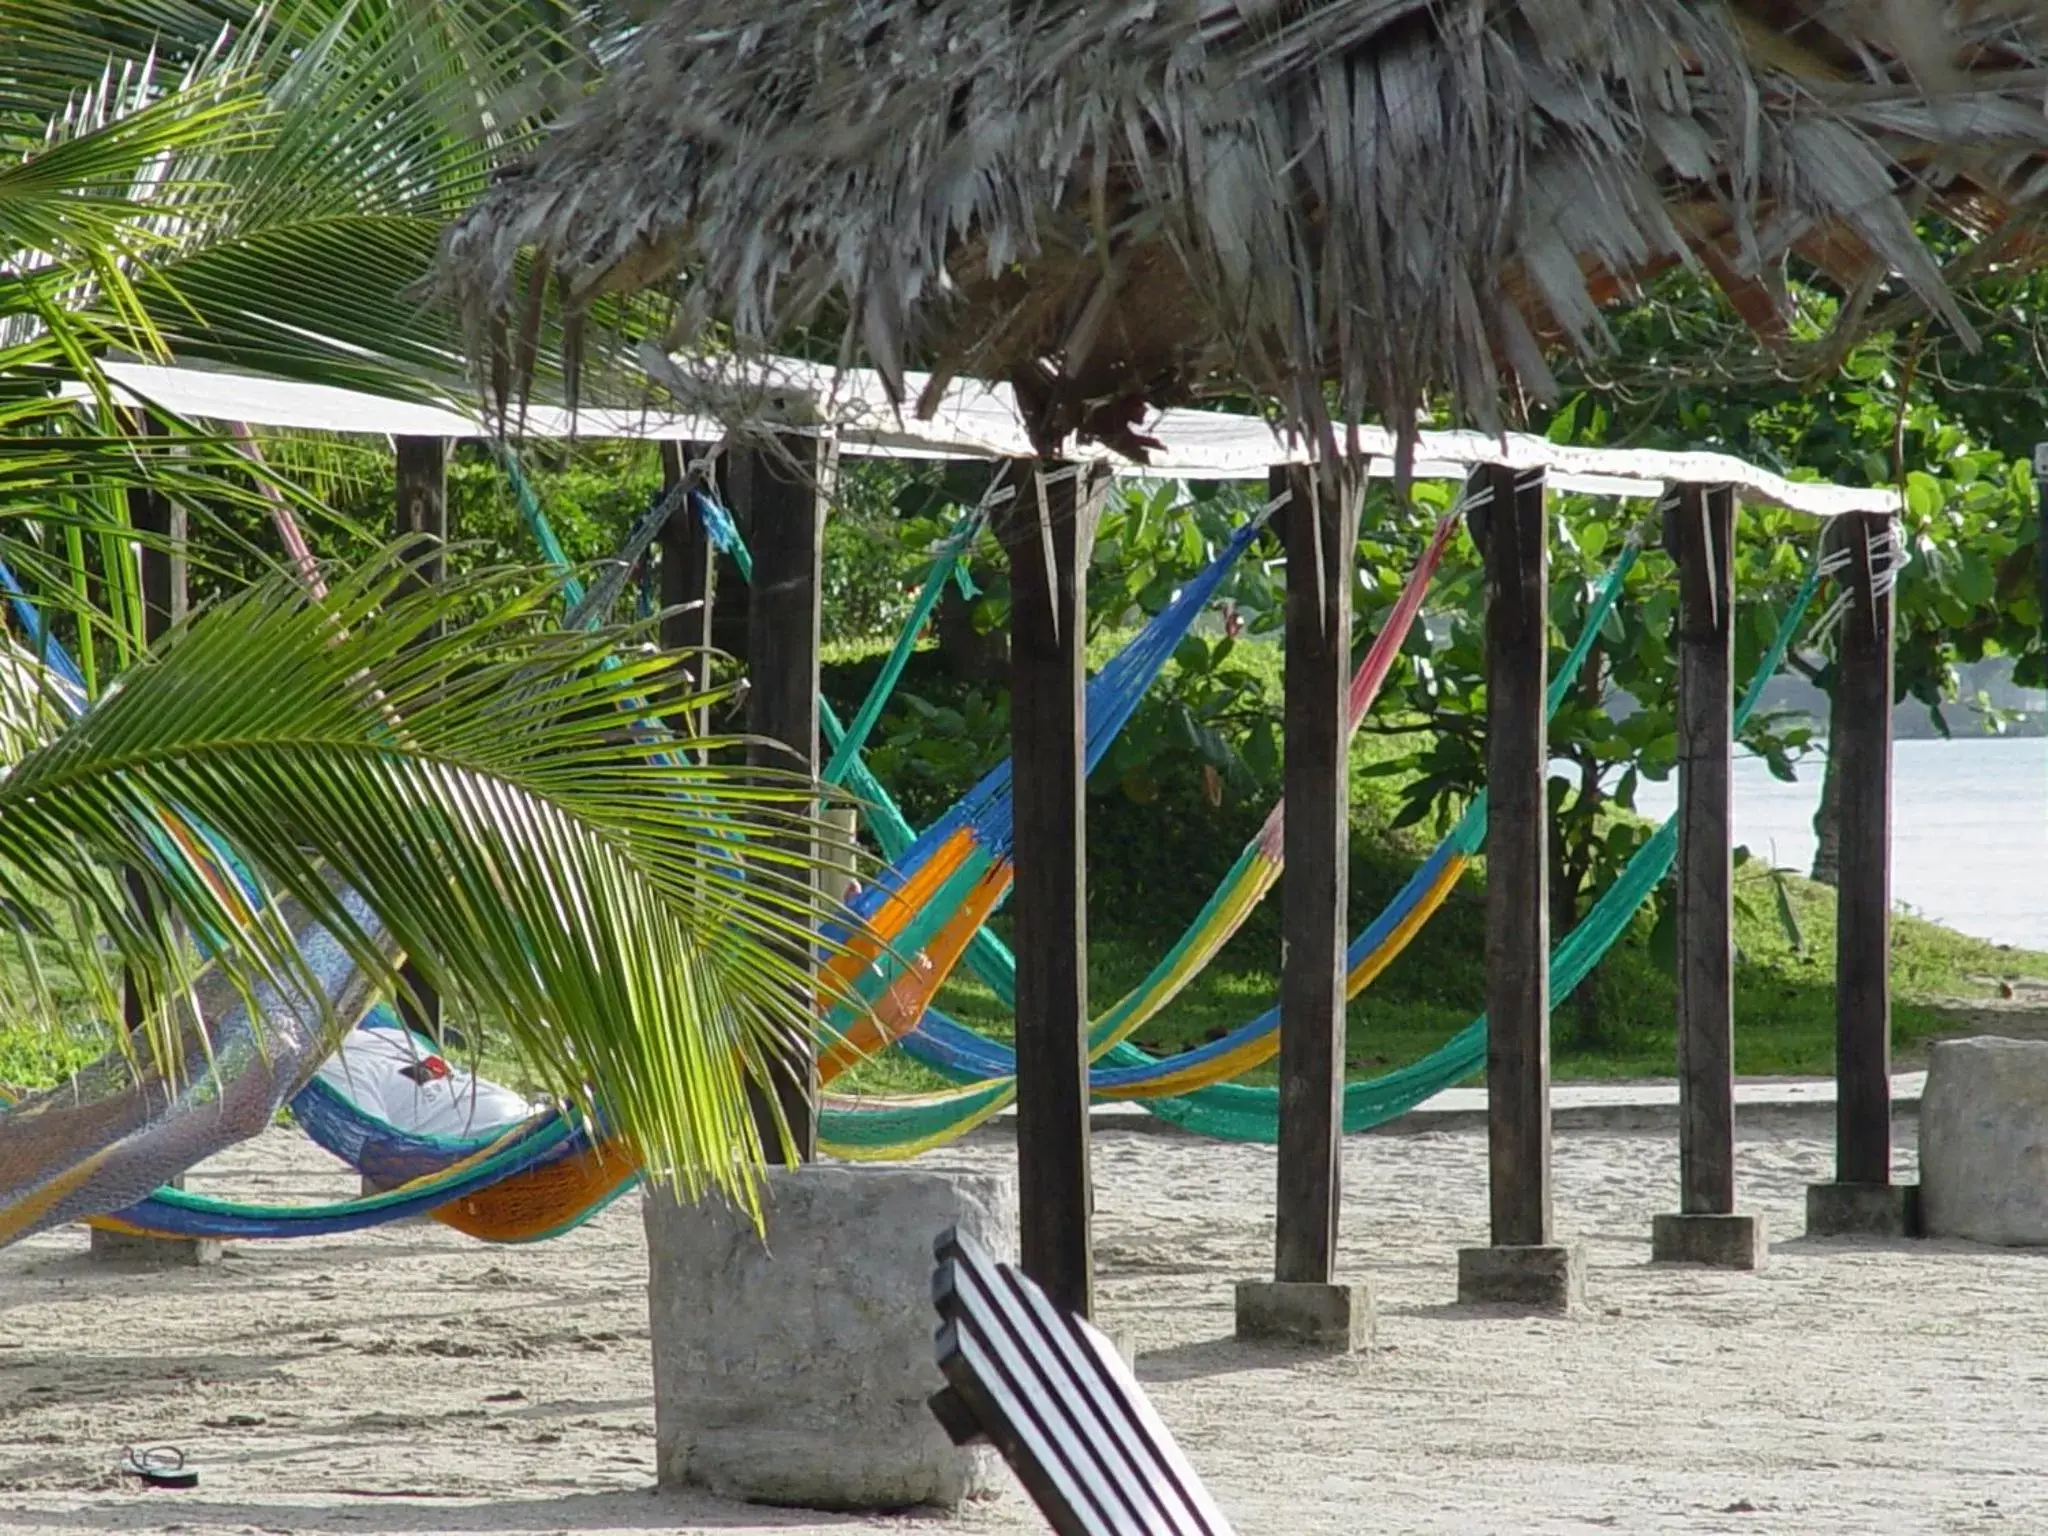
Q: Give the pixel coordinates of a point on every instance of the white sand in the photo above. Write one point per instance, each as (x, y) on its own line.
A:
(414, 1380)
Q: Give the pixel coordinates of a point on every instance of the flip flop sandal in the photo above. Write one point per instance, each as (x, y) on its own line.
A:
(159, 1466)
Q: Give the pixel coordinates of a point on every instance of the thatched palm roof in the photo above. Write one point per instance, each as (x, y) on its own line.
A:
(1344, 206)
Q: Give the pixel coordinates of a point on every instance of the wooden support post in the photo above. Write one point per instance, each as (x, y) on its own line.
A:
(686, 586)
(1517, 868)
(731, 593)
(1321, 520)
(2041, 546)
(1705, 1229)
(1523, 1265)
(163, 567)
(1048, 531)
(420, 521)
(1304, 1304)
(1863, 924)
(1863, 1199)
(1706, 894)
(785, 487)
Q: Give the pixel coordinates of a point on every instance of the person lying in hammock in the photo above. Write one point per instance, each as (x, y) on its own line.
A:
(399, 1077)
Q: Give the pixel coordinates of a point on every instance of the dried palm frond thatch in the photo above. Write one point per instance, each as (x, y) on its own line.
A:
(1345, 207)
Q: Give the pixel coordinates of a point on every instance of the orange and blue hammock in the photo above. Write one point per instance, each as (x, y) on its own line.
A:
(1201, 1096)
(540, 1177)
(545, 1175)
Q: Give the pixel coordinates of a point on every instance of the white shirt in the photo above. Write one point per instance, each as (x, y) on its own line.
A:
(401, 1079)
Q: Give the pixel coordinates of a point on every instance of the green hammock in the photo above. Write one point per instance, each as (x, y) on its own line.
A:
(1240, 1112)
(1234, 1111)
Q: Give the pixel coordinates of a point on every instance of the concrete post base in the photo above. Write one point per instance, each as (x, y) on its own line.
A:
(1863, 1210)
(1546, 1277)
(164, 1252)
(1720, 1240)
(1338, 1318)
(797, 1372)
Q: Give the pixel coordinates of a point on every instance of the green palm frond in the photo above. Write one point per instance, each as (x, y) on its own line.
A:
(261, 186)
(629, 917)
(373, 123)
(326, 299)
(84, 207)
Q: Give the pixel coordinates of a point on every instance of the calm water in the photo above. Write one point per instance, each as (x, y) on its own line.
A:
(1969, 830)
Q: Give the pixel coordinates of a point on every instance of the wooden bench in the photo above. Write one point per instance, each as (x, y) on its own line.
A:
(1054, 1397)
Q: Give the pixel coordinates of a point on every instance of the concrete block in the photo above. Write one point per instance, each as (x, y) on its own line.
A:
(163, 1252)
(1984, 1142)
(796, 1371)
(139, 1252)
(1728, 1240)
(1338, 1318)
(1546, 1277)
(1862, 1210)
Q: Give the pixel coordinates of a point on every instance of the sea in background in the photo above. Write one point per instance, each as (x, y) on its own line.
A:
(1969, 830)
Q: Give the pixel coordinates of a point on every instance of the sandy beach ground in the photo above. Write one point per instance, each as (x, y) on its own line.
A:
(412, 1380)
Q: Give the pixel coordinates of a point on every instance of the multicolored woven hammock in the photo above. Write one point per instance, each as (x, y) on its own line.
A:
(1240, 1112)
(548, 1174)
(879, 1127)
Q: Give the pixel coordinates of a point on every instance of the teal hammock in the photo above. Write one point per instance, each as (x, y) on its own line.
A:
(1238, 1112)
(1233, 1111)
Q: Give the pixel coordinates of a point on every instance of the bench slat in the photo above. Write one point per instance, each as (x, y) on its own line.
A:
(1067, 1369)
(1128, 1411)
(1036, 1445)
(1094, 1379)
(955, 1417)
(981, 1301)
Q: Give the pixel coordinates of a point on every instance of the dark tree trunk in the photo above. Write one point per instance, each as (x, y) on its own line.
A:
(970, 654)
(1568, 875)
(1827, 821)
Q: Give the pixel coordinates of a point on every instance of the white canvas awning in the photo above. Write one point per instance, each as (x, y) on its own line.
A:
(971, 420)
